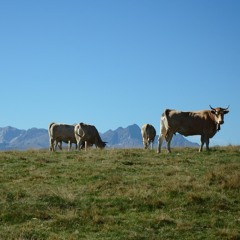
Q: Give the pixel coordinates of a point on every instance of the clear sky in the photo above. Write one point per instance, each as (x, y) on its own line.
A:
(113, 63)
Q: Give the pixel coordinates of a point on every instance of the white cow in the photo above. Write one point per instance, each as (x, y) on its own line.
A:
(59, 133)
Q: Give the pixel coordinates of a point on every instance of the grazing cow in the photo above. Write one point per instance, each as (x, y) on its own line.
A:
(204, 123)
(148, 135)
(59, 133)
(89, 135)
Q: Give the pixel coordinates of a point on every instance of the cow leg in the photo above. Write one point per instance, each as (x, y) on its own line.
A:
(204, 140)
(79, 144)
(162, 136)
(168, 140)
(69, 145)
(51, 147)
(148, 143)
(207, 144)
(202, 143)
(85, 146)
(144, 144)
(59, 145)
(160, 141)
(55, 145)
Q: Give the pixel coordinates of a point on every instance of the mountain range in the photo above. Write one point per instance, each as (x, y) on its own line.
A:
(130, 137)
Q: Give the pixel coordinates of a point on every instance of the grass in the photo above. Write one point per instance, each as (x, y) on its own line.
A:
(120, 194)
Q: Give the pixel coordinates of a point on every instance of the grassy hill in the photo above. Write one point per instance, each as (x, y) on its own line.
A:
(120, 194)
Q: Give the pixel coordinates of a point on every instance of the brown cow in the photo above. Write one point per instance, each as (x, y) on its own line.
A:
(89, 135)
(148, 135)
(204, 123)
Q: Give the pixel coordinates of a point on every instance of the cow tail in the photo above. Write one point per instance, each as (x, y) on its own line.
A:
(50, 129)
(77, 132)
(164, 119)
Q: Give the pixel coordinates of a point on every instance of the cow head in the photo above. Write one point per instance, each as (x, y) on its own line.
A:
(102, 144)
(219, 115)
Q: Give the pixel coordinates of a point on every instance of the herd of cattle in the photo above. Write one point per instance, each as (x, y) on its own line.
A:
(83, 135)
(204, 123)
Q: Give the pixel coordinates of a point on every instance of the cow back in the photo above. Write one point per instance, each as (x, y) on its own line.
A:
(63, 132)
(191, 123)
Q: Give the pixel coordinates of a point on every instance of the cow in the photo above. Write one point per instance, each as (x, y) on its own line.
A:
(148, 135)
(59, 133)
(204, 123)
(89, 135)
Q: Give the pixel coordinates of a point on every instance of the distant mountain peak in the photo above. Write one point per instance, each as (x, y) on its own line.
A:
(128, 137)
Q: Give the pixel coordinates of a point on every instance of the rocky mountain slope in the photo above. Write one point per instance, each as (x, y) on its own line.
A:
(34, 138)
(130, 137)
(13, 138)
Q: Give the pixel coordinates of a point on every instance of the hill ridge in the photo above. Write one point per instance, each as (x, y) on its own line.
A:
(12, 138)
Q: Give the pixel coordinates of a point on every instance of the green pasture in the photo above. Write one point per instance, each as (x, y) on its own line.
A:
(120, 194)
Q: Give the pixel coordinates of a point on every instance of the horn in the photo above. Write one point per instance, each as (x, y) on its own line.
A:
(226, 108)
(211, 107)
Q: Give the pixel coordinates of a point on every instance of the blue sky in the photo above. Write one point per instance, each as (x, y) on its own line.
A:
(115, 63)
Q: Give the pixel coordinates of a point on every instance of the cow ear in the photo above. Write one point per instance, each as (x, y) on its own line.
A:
(213, 111)
(226, 111)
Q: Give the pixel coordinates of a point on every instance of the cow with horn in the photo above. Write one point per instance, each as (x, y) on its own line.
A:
(205, 123)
